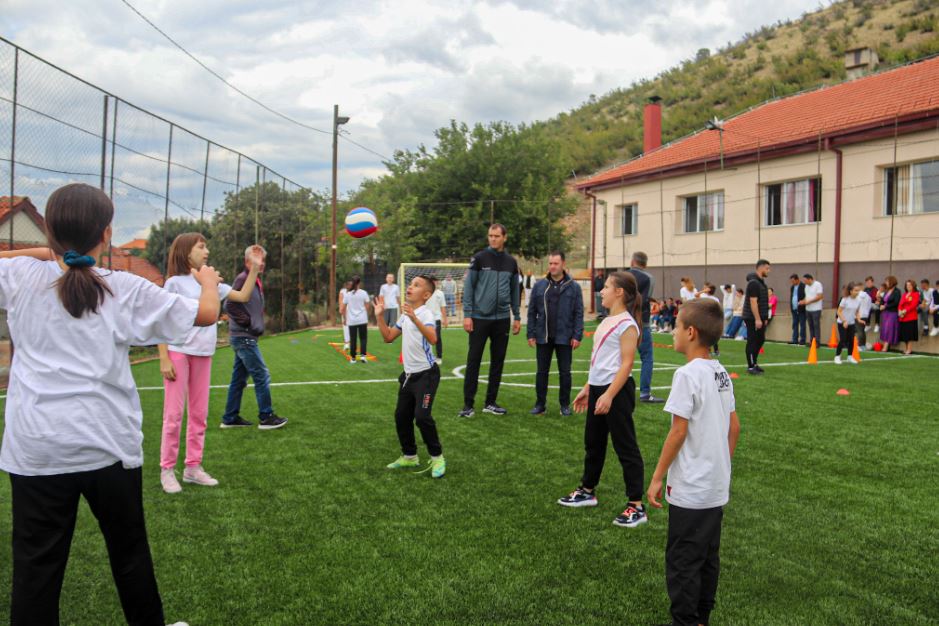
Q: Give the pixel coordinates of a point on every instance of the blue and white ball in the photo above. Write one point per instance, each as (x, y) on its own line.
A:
(361, 222)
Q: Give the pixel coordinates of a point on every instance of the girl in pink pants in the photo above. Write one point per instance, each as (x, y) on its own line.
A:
(187, 366)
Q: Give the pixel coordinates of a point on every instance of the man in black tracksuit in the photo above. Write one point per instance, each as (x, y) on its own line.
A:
(490, 296)
(756, 313)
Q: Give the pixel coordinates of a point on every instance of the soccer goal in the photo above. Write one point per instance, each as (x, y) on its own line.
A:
(449, 278)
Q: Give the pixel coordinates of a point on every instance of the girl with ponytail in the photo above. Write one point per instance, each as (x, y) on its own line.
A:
(73, 417)
(609, 398)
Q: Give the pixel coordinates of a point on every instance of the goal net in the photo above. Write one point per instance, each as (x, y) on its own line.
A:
(449, 278)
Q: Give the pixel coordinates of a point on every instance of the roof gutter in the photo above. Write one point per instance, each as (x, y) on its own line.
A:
(593, 243)
(836, 265)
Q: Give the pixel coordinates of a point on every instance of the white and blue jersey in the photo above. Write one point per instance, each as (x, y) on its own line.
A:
(418, 356)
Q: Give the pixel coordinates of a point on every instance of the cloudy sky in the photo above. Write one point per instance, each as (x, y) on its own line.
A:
(399, 69)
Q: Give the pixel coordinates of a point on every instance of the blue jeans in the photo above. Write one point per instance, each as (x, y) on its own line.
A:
(248, 362)
(798, 326)
(450, 298)
(645, 354)
(736, 323)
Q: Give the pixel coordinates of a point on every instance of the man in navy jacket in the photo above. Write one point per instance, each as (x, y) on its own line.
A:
(555, 326)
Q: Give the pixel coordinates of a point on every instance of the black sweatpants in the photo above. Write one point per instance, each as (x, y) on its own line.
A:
(845, 339)
(755, 340)
(497, 333)
(439, 348)
(565, 354)
(692, 563)
(415, 401)
(618, 424)
(359, 331)
(44, 512)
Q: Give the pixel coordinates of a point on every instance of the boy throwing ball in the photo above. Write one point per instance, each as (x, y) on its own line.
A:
(418, 383)
(696, 456)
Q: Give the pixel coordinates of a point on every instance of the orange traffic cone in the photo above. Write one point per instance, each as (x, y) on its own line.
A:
(833, 340)
(856, 353)
(813, 354)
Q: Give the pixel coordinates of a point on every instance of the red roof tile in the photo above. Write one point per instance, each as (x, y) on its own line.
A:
(20, 203)
(123, 262)
(908, 92)
(135, 244)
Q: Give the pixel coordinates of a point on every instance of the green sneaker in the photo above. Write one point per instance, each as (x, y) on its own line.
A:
(403, 461)
(438, 467)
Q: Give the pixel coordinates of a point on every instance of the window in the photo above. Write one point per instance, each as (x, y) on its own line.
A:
(704, 212)
(629, 219)
(912, 188)
(796, 202)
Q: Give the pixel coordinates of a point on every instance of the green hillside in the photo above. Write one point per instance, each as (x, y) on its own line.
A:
(777, 60)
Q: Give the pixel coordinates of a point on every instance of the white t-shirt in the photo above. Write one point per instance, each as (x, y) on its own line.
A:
(415, 348)
(686, 294)
(815, 289)
(729, 297)
(390, 293)
(866, 304)
(699, 477)
(72, 405)
(201, 340)
(435, 302)
(356, 313)
(707, 296)
(606, 358)
(849, 308)
(448, 286)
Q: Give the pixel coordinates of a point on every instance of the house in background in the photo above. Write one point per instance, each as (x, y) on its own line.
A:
(135, 246)
(21, 224)
(841, 182)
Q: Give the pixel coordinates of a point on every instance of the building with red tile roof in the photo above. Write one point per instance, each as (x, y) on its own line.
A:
(841, 182)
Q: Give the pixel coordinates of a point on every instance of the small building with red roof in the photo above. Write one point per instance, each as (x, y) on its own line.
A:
(28, 226)
(841, 182)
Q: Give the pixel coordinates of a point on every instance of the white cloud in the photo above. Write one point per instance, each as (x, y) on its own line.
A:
(399, 69)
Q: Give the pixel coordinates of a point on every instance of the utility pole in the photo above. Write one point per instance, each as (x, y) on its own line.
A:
(337, 122)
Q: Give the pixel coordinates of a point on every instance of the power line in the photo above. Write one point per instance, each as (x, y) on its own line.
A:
(239, 91)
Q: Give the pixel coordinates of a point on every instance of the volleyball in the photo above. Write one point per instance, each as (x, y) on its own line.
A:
(361, 222)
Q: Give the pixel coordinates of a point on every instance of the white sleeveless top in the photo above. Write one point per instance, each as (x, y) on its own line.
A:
(606, 358)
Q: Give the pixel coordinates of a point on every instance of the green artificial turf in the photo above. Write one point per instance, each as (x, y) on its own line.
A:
(831, 519)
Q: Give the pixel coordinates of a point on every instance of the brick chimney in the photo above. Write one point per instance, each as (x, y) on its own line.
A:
(652, 125)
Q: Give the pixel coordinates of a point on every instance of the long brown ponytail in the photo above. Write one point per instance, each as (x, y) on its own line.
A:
(76, 217)
(631, 296)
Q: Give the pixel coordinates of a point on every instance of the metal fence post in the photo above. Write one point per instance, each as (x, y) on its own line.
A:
(166, 204)
(104, 139)
(205, 181)
(16, 73)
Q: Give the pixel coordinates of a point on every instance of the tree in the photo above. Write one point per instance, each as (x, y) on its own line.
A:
(435, 205)
(162, 235)
(291, 226)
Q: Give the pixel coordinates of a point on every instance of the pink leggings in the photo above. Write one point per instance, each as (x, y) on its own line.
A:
(193, 374)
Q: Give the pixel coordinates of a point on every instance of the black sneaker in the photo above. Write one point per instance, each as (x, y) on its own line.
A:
(755, 371)
(238, 422)
(566, 411)
(495, 409)
(632, 516)
(466, 412)
(758, 368)
(537, 410)
(650, 399)
(271, 422)
(579, 497)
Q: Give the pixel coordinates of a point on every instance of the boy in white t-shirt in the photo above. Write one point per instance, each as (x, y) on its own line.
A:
(696, 455)
(418, 383)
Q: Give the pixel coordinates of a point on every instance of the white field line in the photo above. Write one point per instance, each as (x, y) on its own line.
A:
(458, 374)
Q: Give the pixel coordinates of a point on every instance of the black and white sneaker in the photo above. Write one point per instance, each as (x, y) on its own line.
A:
(632, 516)
(579, 497)
(650, 399)
(238, 422)
(537, 410)
(758, 368)
(495, 409)
(466, 412)
(271, 422)
(754, 371)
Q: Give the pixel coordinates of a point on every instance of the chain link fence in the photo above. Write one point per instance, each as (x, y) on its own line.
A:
(56, 128)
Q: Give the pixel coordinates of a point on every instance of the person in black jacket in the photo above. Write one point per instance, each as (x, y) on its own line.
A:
(491, 293)
(796, 295)
(555, 326)
(245, 325)
(756, 313)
